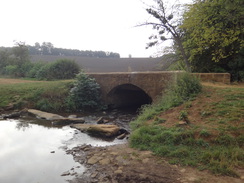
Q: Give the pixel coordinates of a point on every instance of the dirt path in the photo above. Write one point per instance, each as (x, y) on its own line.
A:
(121, 164)
(15, 81)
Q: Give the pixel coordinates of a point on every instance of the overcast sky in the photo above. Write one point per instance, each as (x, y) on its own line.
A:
(106, 25)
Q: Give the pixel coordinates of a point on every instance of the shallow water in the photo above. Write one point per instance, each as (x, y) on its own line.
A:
(33, 153)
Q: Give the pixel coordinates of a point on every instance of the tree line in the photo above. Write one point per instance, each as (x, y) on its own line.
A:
(207, 36)
(47, 48)
(15, 62)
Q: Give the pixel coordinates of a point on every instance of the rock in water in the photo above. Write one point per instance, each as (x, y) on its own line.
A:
(101, 130)
(44, 115)
(57, 119)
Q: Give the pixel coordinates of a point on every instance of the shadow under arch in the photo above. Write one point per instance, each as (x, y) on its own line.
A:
(127, 95)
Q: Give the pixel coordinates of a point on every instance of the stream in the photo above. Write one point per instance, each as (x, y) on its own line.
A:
(34, 151)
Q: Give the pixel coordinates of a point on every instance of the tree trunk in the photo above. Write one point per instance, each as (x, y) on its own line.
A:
(183, 53)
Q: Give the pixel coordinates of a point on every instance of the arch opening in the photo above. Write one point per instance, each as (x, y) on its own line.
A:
(128, 95)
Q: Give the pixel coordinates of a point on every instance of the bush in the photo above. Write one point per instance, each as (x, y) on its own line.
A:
(186, 86)
(85, 94)
(11, 70)
(64, 69)
(60, 69)
(45, 73)
(34, 69)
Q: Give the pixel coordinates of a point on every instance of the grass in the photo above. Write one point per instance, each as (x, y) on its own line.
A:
(213, 138)
(46, 95)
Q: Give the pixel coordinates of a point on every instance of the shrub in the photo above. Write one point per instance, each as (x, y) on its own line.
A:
(60, 69)
(45, 73)
(34, 69)
(186, 86)
(64, 69)
(11, 70)
(183, 115)
(85, 94)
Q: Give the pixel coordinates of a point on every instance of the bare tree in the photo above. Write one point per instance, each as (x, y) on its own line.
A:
(167, 22)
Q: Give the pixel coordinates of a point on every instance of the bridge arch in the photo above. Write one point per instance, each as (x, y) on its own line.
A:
(128, 94)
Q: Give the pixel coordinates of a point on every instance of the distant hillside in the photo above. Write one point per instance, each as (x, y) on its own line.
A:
(107, 64)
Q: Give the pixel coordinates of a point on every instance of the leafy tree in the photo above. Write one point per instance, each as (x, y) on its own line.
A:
(85, 94)
(213, 35)
(20, 59)
(46, 48)
(21, 54)
(4, 58)
(167, 22)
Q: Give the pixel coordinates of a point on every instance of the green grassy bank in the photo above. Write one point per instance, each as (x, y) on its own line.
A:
(205, 131)
(43, 95)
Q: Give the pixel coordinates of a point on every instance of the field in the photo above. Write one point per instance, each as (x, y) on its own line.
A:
(107, 64)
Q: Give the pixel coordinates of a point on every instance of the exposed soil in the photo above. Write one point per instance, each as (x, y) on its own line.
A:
(15, 81)
(121, 164)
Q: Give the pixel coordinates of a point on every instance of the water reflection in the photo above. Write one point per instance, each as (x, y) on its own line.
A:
(31, 153)
(23, 126)
(25, 153)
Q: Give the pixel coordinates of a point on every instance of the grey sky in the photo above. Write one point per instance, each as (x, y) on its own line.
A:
(106, 25)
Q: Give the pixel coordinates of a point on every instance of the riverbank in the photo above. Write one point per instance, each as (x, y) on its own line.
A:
(120, 164)
(216, 115)
(206, 120)
(43, 95)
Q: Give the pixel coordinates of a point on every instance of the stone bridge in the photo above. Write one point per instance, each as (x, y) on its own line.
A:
(121, 89)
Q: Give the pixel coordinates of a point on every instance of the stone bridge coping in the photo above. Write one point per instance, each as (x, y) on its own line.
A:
(134, 72)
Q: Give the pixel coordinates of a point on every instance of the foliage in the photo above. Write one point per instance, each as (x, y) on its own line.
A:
(213, 36)
(11, 70)
(85, 94)
(47, 48)
(45, 72)
(4, 58)
(15, 62)
(183, 116)
(32, 73)
(60, 69)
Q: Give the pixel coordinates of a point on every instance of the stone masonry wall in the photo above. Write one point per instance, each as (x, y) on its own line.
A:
(153, 83)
